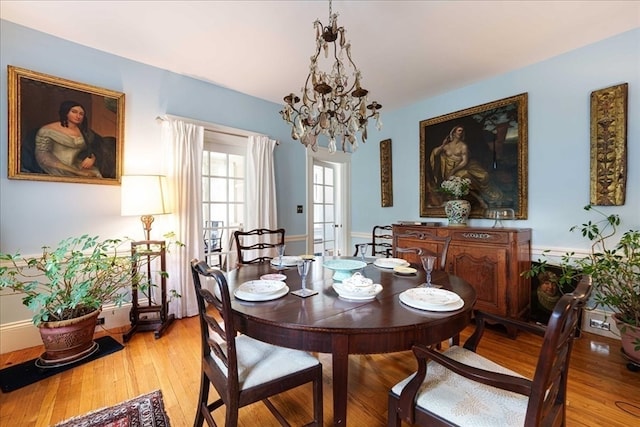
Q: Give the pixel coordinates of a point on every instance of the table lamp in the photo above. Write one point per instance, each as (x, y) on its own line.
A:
(144, 195)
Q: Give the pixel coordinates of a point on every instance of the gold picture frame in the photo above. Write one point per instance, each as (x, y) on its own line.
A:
(386, 174)
(609, 146)
(487, 144)
(39, 105)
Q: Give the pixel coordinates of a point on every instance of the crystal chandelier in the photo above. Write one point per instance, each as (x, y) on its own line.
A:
(333, 103)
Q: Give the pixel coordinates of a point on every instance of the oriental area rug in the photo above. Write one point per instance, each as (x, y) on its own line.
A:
(143, 411)
(23, 374)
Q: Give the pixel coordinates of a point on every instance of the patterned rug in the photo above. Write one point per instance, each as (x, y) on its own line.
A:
(143, 411)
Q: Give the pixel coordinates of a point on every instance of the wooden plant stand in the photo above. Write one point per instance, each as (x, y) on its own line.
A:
(150, 316)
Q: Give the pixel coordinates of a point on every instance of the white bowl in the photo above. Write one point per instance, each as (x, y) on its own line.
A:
(370, 294)
(358, 284)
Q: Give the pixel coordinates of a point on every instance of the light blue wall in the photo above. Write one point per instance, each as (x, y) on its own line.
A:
(559, 136)
(33, 213)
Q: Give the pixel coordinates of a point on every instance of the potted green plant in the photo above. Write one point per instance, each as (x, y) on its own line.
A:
(614, 266)
(67, 286)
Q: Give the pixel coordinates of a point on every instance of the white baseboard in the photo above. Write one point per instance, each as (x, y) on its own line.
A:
(19, 335)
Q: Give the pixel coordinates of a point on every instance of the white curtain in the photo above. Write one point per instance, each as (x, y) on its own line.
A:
(184, 142)
(260, 203)
(261, 184)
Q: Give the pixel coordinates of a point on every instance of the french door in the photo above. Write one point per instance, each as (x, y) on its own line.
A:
(328, 215)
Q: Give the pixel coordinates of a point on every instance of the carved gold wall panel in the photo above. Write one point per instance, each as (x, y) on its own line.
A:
(609, 145)
(386, 176)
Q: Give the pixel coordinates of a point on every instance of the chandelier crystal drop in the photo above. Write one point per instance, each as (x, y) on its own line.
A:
(334, 103)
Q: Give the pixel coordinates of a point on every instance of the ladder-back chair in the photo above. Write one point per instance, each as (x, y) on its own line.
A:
(241, 369)
(257, 246)
(459, 387)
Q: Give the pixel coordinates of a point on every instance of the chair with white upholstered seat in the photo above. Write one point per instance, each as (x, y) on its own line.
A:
(241, 369)
(458, 387)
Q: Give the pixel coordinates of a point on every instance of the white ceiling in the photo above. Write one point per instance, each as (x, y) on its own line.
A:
(406, 50)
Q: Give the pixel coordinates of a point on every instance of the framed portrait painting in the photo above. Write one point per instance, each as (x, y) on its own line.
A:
(486, 144)
(64, 131)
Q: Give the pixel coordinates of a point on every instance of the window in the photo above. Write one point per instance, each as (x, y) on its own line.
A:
(223, 185)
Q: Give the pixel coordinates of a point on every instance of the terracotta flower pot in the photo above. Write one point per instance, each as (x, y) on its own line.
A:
(67, 341)
(630, 337)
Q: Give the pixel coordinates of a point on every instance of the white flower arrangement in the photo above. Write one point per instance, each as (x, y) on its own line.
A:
(456, 186)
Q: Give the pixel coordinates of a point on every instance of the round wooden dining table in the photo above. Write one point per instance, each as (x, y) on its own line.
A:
(326, 323)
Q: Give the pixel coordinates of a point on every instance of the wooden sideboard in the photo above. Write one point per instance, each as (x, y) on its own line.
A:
(490, 259)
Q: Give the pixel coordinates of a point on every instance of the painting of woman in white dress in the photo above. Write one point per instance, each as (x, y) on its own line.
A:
(64, 131)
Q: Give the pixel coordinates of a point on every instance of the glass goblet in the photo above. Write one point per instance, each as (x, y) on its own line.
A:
(280, 249)
(303, 269)
(362, 250)
(428, 262)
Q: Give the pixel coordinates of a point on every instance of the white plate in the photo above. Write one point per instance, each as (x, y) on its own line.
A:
(371, 294)
(404, 270)
(288, 261)
(273, 276)
(432, 299)
(261, 286)
(261, 297)
(390, 262)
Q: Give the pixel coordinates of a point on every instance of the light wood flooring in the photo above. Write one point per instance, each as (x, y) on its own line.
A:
(602, 392)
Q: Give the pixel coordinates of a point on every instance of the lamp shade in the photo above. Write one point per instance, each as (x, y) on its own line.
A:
(144, 195)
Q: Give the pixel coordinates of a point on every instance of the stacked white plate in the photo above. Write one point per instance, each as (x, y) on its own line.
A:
(273, 276)
(432, 299)
(390, 263)
(359, 295)
(287, 261)
(261, 290)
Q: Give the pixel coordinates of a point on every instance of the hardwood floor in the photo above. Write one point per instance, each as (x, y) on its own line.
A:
(602, 392)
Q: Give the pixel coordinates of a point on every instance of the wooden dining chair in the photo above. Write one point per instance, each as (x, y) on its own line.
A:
(426, 244)
(381, 241)
(212, 236)
(241, 369)
(252, 245)
(459, 387)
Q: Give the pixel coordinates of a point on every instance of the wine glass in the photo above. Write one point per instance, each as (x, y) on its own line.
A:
(362, 250)
(280, 249)
(428, 261)
(303, 269)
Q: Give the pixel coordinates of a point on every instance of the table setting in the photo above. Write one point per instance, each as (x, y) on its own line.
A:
(261, 290)
(357, 288)
(431, 299)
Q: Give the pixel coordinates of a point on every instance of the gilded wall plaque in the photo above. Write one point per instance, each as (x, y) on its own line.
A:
(386, 177)
(609, 146)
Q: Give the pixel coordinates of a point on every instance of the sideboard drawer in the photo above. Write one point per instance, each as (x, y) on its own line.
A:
(480, 236)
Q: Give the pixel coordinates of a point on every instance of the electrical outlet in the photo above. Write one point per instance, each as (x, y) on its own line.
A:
(600, 324)
(299, 209)
(100, 321)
